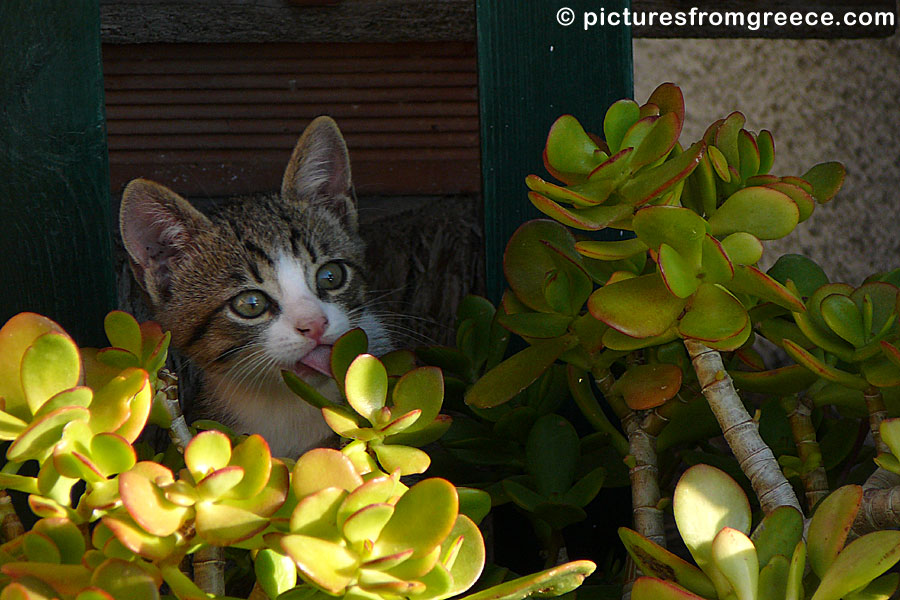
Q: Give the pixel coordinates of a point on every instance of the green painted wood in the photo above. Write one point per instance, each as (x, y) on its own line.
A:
(532, 70)
(55, 241)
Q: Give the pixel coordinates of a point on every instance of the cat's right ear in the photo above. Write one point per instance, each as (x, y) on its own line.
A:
(157, 226)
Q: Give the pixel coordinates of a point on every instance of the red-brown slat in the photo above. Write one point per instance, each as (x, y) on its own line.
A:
(207, 66)
(213, 156)
(280, 50)
(292, 81)
(291, 126)
(336, 96)
(221, 119)
(375, 110)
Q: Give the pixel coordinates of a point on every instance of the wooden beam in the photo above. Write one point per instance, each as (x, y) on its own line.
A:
(175, 21)
(531, 71)
(54, 189)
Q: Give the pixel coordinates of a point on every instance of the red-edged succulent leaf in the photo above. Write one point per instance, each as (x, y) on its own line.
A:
(822, 369)
(826, 179)
(727, 135)
(764, 212)
(750, 280)
(713, 315)
(619, 119)
(570, 153)
(766, 145)
(655, 181)
(649, 386)
(639, 307)
(791, 379)
(586, 219)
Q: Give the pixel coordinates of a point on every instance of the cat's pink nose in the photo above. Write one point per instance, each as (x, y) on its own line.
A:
(313, 328)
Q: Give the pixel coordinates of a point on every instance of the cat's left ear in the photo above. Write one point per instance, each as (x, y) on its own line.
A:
(319, 171)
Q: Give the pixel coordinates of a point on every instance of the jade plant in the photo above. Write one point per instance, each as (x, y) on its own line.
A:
(332, 523)
(770, 561)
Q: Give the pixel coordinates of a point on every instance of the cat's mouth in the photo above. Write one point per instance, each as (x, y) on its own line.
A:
(318, 360)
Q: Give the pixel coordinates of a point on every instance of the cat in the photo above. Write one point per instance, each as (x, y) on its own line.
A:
(259, 285)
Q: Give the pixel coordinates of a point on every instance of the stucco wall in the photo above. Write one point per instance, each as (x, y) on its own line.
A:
(822, 100)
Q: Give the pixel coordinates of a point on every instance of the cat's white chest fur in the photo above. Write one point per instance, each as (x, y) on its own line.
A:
(289, 424)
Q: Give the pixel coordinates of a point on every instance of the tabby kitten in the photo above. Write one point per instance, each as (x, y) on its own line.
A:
(257, 286)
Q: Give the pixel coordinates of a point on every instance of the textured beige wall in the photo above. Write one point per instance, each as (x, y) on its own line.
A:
(822, 100)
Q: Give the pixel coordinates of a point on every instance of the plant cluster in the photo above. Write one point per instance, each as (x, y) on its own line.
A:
(661, 317)
(113, 525)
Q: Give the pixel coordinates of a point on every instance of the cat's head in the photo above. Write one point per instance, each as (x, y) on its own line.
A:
(257, 284)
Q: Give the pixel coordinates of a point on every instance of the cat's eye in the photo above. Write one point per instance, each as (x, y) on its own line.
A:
(250, 304)
(330, 276)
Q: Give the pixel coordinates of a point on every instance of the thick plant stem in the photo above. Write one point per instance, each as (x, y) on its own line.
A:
(877, 414)
(178, 430)
(880, 508)
(815, 481)
(209, 561)
(643, 471)
(742, 434)
(10, 525)
(209, 569)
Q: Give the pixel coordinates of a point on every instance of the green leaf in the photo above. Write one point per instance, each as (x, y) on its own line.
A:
(658, 142)
(594, 218)
(551, 453)
(844, 318)
(49, 366)
(713, 315)
(752, 281)
(639, 307)
(207, 452)
(822, 369)
(651, 588)
(16, 336)
(773, 578)
(366, 387)
(517, 372)
(654, 560)
(749, 154)
(648, 386)
(619, 119)
(39, 438)
(322, 468)
(707, 500)
(726, 138)
(306, 392)
(527, 260)
(146, 503)
(859, 563)
(826, 179)
(275, 572)
(133, 537)
(344, 352)
(615, 250)
(804, 272)
(882, 588)
(743, 248)
(422, 519)
(366, 524)
(761, 211)
(409, 460)
(653, 182)
(552, 582)
(778, 533)
(791, 379)
(473, 503)
(125, 580)
(329, 565)
(316, 514)
(766, 145)
(536, 325)
(123, 332)
(735, 556)
(830, 526)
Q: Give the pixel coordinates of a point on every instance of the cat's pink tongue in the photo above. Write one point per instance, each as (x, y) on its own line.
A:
(319, 359)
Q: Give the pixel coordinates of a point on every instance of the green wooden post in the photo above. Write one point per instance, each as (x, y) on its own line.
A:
(55, 244)
(531, 70)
